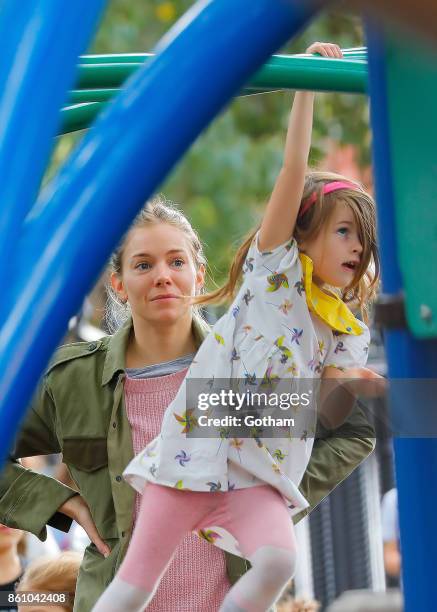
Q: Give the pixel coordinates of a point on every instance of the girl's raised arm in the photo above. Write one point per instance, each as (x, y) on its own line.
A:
(282, 209)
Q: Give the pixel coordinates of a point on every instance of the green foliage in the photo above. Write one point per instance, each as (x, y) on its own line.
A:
(225, 179)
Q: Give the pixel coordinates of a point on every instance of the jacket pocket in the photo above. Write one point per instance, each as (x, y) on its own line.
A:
(86, 454)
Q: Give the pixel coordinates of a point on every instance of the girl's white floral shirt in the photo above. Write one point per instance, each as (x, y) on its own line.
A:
(277, 336)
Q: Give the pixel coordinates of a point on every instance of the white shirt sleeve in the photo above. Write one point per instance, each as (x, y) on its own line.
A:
(278, 260)
(348, 351)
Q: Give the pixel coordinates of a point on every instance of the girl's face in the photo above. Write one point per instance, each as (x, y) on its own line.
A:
(336, 251)
(157, 272)
(9, 538)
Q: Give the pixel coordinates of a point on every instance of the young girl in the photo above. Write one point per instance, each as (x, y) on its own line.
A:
(318, 231)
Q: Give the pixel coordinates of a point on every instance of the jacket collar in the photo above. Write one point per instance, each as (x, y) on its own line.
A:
(115, 360)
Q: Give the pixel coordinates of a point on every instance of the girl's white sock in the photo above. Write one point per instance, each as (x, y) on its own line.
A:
(259, 588)
(256, 591)
(121, 595)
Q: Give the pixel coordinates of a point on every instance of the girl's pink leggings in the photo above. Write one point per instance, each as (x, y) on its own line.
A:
(255, 517)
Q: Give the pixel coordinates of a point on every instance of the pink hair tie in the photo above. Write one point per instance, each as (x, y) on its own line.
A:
(327, 188)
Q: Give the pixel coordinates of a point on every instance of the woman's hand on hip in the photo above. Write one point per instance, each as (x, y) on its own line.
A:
(77, 509)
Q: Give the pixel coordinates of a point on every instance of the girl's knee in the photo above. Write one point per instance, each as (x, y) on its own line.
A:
(275, 565)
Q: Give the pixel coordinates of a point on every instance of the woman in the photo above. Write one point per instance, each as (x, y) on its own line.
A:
(84, 409)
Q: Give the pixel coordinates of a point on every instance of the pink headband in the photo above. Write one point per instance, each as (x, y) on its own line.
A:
(327, 188)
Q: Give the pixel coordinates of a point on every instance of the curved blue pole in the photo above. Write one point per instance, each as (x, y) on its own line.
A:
(408, 358)
(81, 215)
(40, 43)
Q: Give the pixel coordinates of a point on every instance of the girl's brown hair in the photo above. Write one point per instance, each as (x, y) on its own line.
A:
(157, 210)
(362, 289)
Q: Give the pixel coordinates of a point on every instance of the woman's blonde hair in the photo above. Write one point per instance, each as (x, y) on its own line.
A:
(53, 574)
(157, 210)
(362, 289)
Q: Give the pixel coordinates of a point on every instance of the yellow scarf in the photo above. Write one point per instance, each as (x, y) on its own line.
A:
(329, 307)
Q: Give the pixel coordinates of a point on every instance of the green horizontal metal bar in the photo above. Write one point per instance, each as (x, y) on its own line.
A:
(355, 51)
(280, 72)
(137, 58)
(91, 95)
(100, 79)
(314, 73)
(79, 117)
(352, 54)
(81, 96)
(355, 54)
(103, 76)
(115, 58)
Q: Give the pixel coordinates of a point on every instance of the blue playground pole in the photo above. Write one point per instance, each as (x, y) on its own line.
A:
(79, 218)
(41, 40)
(408, 358)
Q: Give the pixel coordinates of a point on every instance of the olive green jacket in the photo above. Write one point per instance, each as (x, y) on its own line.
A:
(79, 411)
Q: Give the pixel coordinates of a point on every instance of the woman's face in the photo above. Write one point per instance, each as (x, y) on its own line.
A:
(158, 271)
(9, 538)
